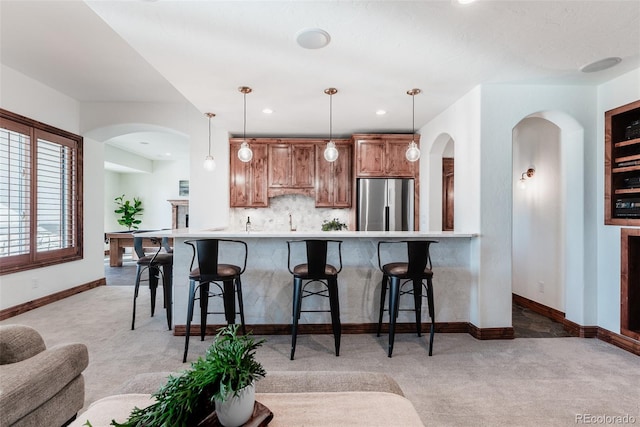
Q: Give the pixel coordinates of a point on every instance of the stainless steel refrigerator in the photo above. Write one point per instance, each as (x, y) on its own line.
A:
(385, 204)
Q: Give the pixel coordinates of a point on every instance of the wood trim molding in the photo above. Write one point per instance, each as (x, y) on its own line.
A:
(325, 328)
(30, 305)
(536, 307)
(621, 341)
(491, 333)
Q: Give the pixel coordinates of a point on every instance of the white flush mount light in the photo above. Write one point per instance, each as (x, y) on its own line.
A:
(331, 152)
(381, 112)
(313, 38)
(267, 111)
(464, 1)
(601, 64)
(413, 152)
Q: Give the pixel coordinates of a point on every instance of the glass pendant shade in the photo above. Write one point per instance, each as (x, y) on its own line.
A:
(331, 152)
(244, 153)
(209, 163)
(413, 152)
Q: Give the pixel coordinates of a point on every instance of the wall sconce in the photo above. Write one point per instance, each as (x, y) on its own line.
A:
(522, 182)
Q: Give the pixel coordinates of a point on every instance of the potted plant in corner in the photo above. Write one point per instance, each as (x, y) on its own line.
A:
(128, 212)
(222, 381)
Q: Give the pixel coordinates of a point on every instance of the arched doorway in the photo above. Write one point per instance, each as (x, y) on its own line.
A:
(441, 185)
(547, 236)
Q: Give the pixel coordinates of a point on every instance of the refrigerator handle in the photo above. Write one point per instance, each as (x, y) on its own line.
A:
(386, 218)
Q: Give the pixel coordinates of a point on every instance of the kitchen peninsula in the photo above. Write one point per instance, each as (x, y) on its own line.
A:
(267, 283)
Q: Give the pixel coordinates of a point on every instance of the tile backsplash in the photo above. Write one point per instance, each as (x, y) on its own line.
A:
(304, 214)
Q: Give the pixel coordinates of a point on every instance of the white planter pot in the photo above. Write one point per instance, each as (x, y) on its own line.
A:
(236, 410)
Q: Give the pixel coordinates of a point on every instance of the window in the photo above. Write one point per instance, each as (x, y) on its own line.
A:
(40, 194)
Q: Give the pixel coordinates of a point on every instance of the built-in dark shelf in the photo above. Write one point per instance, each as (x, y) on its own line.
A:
(630, 283)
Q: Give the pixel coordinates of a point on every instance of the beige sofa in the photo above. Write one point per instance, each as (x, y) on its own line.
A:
(39, 386)
(310, 398)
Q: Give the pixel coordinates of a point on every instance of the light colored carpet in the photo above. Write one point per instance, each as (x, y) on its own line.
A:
(521, 382)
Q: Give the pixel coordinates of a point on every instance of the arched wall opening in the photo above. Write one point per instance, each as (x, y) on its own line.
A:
(443, 146)
(548, 232)
(143, 161)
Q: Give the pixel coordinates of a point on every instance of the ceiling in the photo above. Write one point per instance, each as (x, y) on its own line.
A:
(202, 51)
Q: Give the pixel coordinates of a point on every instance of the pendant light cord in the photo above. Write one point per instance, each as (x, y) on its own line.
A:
(244, 132)
(330, 117)
(209, 136)
(413, 117)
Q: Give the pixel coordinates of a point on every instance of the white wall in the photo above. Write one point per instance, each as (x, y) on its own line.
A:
(615, 93)
(153, 189)
(32, 99)
(538, 241)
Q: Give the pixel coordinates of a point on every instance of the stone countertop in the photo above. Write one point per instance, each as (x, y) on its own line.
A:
(225, 233)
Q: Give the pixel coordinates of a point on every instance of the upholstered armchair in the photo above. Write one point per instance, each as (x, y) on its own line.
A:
(39, 386)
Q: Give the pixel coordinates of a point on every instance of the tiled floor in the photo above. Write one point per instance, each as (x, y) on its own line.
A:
(528, 324)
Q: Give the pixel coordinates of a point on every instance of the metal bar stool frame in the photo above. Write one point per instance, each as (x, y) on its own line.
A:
(396, 275)
(207, 251)
(155, 272)
(315, 270)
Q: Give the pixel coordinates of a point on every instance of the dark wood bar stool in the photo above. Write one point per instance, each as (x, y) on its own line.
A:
(315, 270)
(159, 264)
(417, 270)
(209, 271)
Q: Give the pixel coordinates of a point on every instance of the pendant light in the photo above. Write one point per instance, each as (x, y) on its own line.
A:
(209, 162)
(244, 153)
(331, 152)
(413, 152)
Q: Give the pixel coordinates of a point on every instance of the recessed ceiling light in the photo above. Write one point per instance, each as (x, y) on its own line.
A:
(601, 64)
(313, 38)
(267, 111)
(381, 112)
(464, 1)
(167, 154)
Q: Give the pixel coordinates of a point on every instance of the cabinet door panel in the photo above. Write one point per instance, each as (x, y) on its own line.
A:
(396, 161)
(279, 165)
(303, 165)
(324, 182)
(259, 197)
(371, 158)
(342, 177)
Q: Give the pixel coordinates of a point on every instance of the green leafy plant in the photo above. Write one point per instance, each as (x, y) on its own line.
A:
(128, 212)
(334, 224)
(229, 365)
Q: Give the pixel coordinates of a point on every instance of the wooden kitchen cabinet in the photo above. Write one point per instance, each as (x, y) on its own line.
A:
(248, 181)
(333, 179)
(383, 155)
(291, 167)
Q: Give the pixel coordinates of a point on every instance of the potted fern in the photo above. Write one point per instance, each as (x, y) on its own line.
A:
(226, 375)
(128, 212)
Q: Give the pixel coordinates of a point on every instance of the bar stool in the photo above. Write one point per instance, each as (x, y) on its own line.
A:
(315, 270)
(210, 270)
(397, 274)
(157, 264)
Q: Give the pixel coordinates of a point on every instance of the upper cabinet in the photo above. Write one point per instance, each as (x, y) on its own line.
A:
(333, 179)
(383, 155)
(291, 167)
(622, 165)
(248, 181)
